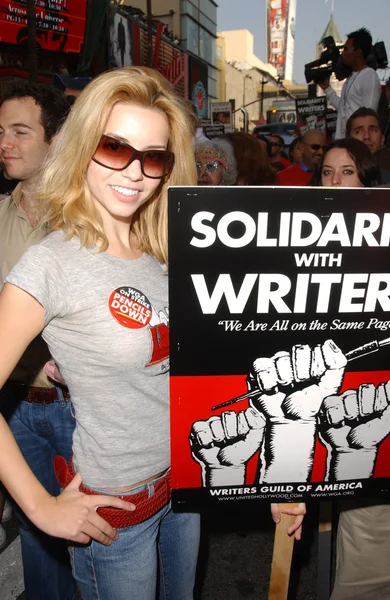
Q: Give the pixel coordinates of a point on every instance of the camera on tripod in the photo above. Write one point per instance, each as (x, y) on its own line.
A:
(331, 61)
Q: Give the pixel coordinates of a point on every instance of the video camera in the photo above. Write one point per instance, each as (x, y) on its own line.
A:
(331, 61)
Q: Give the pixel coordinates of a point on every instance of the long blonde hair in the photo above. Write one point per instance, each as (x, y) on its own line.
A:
(63, 190)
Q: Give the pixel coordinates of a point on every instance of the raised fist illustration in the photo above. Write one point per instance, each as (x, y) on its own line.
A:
(292, 386)
(353, 424)
(223, 444)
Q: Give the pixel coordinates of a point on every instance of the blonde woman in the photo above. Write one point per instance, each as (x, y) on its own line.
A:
(97, 290)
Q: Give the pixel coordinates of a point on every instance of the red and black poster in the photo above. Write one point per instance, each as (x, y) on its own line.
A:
(60, 23)
(280, 344)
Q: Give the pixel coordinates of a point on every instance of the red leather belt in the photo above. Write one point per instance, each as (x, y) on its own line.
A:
(146, 506)
(40, 395)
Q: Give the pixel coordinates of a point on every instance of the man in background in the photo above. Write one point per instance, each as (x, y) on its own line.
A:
(37, 412)
(361, 88)
(313, 144)
(364, 126)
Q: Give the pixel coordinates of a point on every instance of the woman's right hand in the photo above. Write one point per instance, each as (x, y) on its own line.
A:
(72, 515)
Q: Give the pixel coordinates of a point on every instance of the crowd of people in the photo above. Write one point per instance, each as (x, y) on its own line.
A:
(84, 215)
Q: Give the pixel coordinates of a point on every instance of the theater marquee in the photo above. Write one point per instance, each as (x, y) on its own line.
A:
(60, 23)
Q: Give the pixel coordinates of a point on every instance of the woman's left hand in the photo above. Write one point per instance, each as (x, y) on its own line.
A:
(299, 513)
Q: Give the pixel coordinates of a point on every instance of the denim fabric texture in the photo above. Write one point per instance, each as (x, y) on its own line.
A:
(153, 560)
(42, 431)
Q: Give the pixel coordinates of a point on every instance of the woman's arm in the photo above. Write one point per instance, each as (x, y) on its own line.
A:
(71, 515)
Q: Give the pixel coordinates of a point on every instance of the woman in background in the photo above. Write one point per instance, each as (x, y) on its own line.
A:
(253, 164)
(363, 535)
(295, 151)
(215, 162)
(347, 163)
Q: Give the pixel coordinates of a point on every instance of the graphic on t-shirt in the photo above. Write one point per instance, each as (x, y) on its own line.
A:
(130, 307)
(159, 330)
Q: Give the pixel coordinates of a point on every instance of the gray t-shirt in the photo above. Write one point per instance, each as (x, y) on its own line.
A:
(106, 325)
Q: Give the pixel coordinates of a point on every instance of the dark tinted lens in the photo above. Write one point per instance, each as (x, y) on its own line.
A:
(157, 163)
(317, 146)
(111, 153)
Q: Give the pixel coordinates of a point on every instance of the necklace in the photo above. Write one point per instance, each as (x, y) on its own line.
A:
(349, 83)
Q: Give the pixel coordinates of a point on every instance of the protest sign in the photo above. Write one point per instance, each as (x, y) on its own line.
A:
(222, 114)
(279, 301)
(331, 122)
(212, 131)
(311, 114)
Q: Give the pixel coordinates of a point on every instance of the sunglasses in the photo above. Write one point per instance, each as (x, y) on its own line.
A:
(116, 155)
(315, 146)
(210, 167)
(275, 144)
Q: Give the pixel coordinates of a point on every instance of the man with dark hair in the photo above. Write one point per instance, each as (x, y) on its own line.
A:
(52, 104)
(37, 411)
(364, 125)
(361, 88)
(277, 160)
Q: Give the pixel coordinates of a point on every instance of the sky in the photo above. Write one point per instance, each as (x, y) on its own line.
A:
(312, 18)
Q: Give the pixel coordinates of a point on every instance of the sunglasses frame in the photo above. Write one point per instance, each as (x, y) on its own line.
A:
(317, 146)
(204, 167)
(137, 155)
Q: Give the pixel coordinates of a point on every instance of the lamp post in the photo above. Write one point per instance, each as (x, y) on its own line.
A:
(246, 76)
(263, 81)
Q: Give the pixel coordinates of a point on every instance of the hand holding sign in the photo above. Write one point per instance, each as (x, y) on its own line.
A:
(353, 424)
(292, 387)
(223, 445)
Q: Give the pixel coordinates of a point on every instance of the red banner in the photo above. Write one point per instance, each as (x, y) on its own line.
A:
(60, 23)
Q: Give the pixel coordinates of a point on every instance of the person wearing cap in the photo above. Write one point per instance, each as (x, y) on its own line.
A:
(215, 163)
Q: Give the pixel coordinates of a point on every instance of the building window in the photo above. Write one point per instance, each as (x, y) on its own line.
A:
(213, 92)
(209, 9)
(191, 34)
(188, 8)
(207, 46)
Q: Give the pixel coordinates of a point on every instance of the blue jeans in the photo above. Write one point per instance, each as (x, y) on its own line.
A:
(154, 559)
(42, 431)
